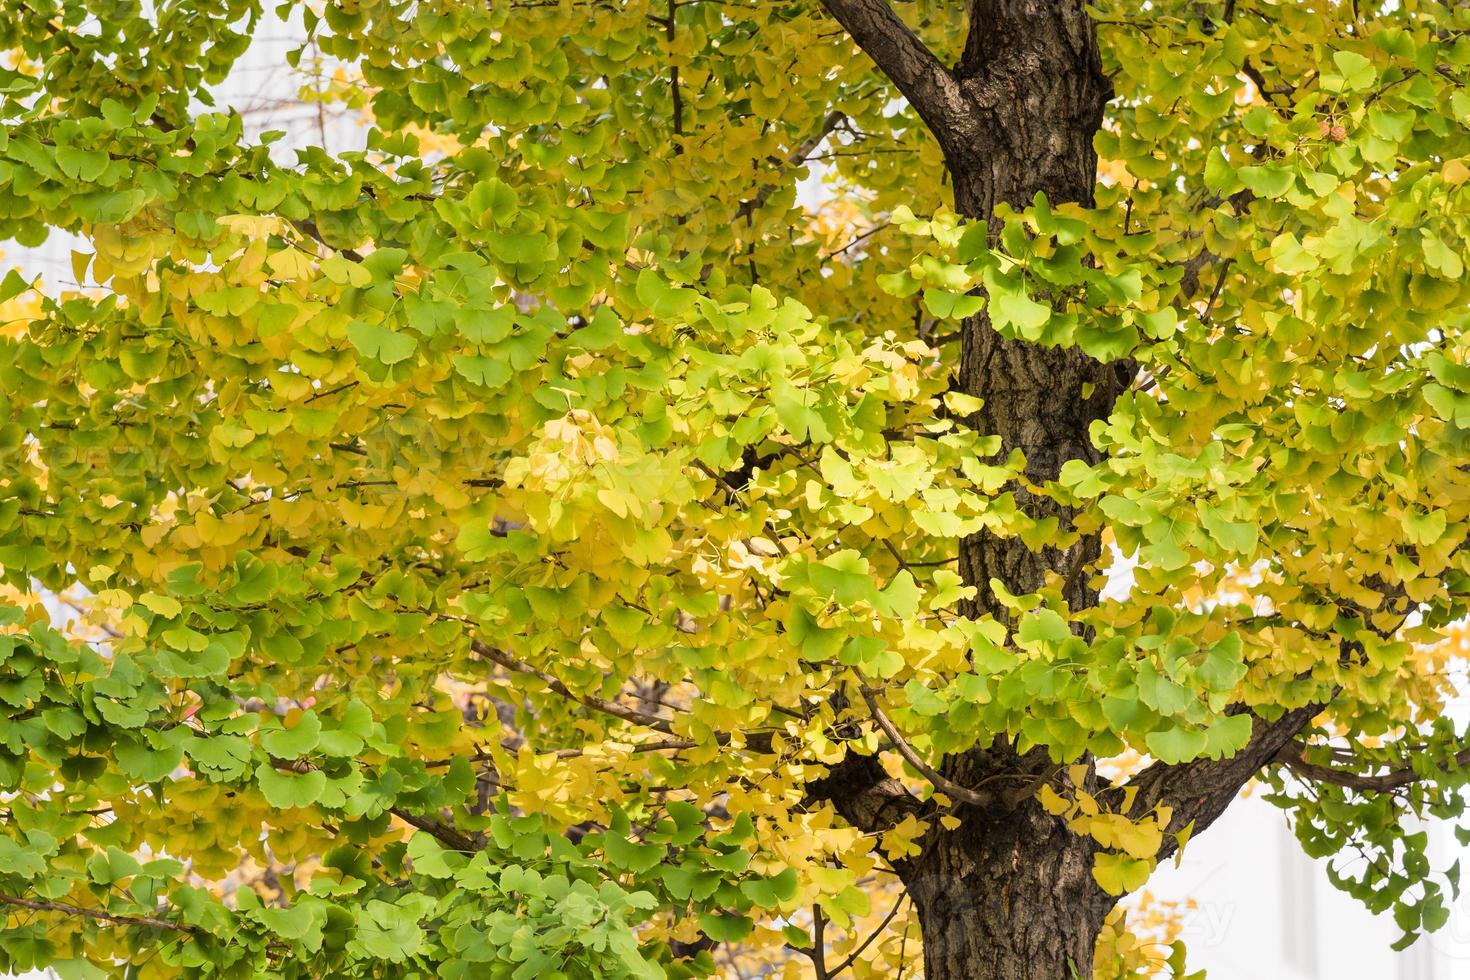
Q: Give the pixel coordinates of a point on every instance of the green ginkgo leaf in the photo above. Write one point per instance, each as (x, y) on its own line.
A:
(381, 343)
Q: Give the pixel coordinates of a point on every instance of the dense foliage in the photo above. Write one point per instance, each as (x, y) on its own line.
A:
(499, 534)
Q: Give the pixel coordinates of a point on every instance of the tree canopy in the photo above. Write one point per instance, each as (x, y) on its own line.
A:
(538, 545)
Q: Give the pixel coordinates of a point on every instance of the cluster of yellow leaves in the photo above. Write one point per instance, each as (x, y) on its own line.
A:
(1130, 843)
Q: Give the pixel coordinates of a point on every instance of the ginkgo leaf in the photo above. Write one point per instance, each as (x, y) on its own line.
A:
(490, 372)
(381, 343)
(952, 306)
(1016, 309)
(1357, 71)
(1177, 744)
(663, 300)
(296, 741)
(1118, 874)
(1043, 626)
(289, 790)
(724, 928)
(771, 892)
(81, 164)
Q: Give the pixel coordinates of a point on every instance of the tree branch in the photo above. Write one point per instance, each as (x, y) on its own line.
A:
(595, 703)
(864, 794)
(310, 229)
(899, 53)
(678, 100)
(443, 833)
(996, 27)
(760, 740)
(1199, 791)
(1291, 756)
(122, 920)
(852, 957)
(941, 782)
(440, 831)
(797, 157)
(981, 25)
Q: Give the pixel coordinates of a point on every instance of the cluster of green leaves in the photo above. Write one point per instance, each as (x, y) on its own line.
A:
(1388, 858)
(337, 346)
(516, 897)
(1333, 205)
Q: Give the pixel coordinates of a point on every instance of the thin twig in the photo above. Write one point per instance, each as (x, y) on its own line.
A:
(798, 156)
(1025, 793)
(941, 782)
(123, 920)
(819, 943)
(852, 957)
(597, 704)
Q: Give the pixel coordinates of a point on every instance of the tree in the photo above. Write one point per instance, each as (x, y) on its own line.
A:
(545, 549)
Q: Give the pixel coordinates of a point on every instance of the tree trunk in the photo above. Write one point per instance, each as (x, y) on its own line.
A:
(1007, 899)
(1010, 894)
(1034, 81)
(1007, 894)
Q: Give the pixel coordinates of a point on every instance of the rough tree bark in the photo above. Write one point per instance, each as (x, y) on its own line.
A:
(1009, 893)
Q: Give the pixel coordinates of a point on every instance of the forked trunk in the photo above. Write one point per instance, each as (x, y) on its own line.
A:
(1008, 892)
